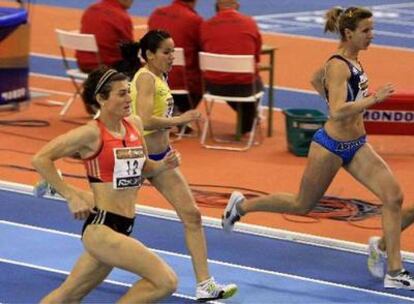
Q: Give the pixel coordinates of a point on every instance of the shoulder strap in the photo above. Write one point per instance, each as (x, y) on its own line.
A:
(350, 64)
(130, 129)
(336, 56)
(102, 127)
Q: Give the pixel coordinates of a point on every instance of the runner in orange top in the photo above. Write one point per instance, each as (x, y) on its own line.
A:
(115, 156)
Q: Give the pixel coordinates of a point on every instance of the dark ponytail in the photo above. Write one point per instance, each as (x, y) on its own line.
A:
(130, 63)
(131, 51)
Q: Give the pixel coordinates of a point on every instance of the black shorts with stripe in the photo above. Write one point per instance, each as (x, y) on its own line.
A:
(114, 221)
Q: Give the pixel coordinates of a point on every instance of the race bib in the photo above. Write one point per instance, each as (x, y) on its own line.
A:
(128, 164)
(170, 107)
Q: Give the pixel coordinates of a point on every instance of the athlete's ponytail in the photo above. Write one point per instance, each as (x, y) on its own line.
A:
(332, 17)
(130, 59)
(339, 19)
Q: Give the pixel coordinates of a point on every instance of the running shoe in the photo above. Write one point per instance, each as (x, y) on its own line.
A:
(376, 258)
(210, 290)
(43, 188)
(230, 215)
(403, 280)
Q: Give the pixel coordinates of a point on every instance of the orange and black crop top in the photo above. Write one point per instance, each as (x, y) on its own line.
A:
(119, 161)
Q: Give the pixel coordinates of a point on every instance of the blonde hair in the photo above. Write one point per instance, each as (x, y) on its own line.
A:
(338, 19)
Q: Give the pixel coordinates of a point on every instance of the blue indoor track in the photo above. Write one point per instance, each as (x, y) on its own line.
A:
(39, 240)
(40, 243)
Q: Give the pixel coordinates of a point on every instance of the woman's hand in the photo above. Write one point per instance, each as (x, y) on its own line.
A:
(384, 92)
(172, 159)
(153, 168)
(190, 116)
(79, 206)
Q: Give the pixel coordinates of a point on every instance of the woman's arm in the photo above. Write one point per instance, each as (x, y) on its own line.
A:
(337, 75)
(145, 85)
(76, 141)
(317, 81)
(153, 168)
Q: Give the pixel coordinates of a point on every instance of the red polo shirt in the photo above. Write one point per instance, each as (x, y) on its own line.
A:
(183, 23)
(109, 21)
(232, 33)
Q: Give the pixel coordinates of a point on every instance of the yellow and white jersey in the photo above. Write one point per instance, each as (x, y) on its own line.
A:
(163, 100)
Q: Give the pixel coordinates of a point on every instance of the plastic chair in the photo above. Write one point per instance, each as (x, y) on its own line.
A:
(75, 41)
(179, 61)
(229, 64)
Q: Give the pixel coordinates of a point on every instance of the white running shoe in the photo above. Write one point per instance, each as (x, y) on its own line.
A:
(209, 290)
(43, 188)
(403, 280)
(230, 215)
(376, 258)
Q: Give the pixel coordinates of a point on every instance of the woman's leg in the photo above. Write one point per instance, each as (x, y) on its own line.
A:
(87, 273)
(370, 170)
(115, 249)
(407, 218)
(321, 169)
(173, 186)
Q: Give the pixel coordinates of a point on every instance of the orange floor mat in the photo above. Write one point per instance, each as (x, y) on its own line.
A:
(266, 168)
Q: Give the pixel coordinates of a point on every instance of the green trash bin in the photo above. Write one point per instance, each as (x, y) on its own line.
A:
(301, 125)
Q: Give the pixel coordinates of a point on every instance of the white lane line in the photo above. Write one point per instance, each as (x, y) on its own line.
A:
(36, 89)
(276, 87)
(322, 12)
(226, 264)
(335, 41)
(244, 228)
(54, 270)
(278, 19)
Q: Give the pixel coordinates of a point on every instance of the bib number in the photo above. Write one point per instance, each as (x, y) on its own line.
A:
(128, 164)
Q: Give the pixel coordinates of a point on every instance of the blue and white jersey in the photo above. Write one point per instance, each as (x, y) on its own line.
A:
(357, 86)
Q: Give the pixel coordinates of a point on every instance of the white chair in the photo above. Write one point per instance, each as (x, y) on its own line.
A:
(73, 40)
(179, 61)
(229, 64)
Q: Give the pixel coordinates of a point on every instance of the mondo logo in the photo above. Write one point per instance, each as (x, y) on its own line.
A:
(389, 116)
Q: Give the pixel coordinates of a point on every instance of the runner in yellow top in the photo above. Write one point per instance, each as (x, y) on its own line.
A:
(152, 101)
(163, 100)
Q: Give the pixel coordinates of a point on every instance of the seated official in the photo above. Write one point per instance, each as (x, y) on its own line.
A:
(232, 33)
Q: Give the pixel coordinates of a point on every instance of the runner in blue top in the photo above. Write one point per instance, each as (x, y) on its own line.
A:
(342, 142)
